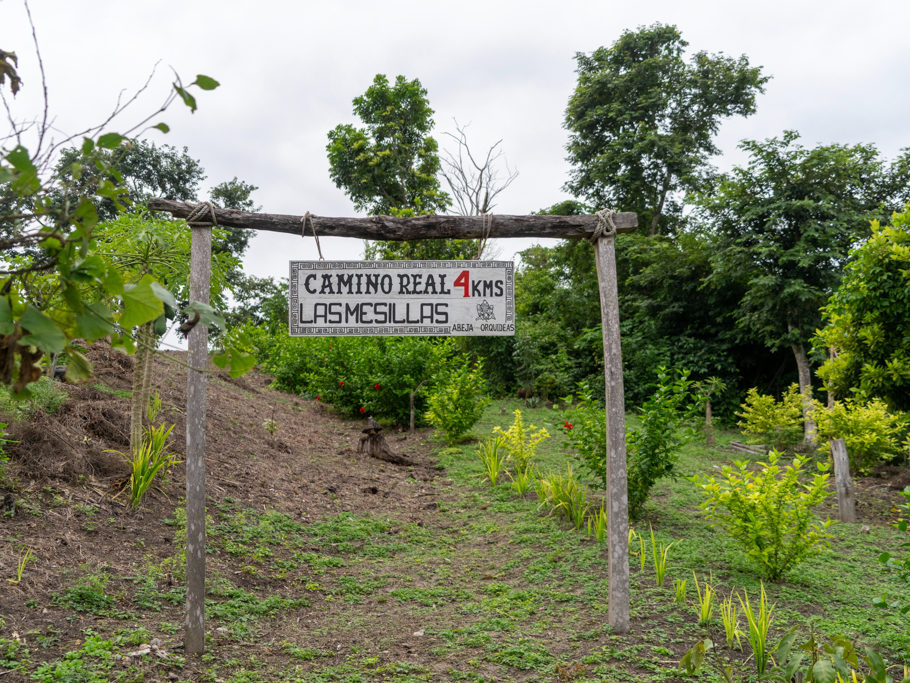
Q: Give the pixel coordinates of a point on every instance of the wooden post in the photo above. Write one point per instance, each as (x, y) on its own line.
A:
(200, 269)
(617, 480)
(846, 501)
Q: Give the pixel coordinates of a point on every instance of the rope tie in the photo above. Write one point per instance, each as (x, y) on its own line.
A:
(605, 225)
(198, 212)
(487, 226)
(307, 218)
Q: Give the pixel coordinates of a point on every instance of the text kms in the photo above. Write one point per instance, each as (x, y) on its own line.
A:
(401, 284)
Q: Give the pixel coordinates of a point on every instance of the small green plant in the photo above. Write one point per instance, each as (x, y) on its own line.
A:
(680, 596)
(694, 658)
(759, 624)
(493, 456)
(597, 524)
(270, 426)
(633, 537)
(564, 494)
(522, 480)
(89, 594)
(704, 608)
(521, 441)
(151, 458)
(778, 424)
(458, 400)
(769, 512)
(25, 556)
(900, 567)
(661, 556)
(871, 434)
(4, 457)
(729, 614)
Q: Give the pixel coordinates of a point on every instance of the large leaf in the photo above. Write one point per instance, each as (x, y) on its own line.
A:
(96, 322)
(140, 303)
(207, 314)
(43, 332)
(77, 367)
(235, 361)
(165, 295)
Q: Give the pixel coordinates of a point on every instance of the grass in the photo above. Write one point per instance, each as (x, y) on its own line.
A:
(495, 588)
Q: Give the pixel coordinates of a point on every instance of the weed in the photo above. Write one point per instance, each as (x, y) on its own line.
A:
(759, 624)
(493, 456)
(680, 595)
(522, 480)
(597, 525)
(13, 655)
(86, 595)
(25, 556)
(729, 613)
(565, 495)
(661, 556)
(705, 607)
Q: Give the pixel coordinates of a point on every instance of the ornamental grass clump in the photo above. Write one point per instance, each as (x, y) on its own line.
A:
(769, 512)
(494, 457)
(563, 494)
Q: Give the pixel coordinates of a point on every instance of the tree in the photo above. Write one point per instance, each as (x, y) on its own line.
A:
(786, 223)
(642, 121)
(475, 182)
(54, 285)
(868, 320)
(391, 165)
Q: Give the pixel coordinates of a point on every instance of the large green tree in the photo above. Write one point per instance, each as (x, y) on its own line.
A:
(642, 121)
(391, 165)
(786, 223)
(868, 320)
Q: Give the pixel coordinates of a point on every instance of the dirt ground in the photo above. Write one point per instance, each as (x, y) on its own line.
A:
(68, 503)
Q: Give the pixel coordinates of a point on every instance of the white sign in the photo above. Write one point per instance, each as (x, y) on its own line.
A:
(402, 298)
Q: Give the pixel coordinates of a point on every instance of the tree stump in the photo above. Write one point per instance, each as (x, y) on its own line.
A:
(373, 443)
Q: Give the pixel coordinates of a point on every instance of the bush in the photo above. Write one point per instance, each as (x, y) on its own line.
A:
(458, 400)
(358, 375)
(521, 442)
(778, 424)
(871, 433)
(652, 448)
(769, 512)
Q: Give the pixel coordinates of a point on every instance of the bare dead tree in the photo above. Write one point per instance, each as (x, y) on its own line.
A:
(475, 181)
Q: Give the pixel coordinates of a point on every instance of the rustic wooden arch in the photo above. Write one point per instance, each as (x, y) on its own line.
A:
(402, 229)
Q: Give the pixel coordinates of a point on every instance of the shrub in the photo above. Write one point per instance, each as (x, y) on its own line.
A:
(652, 448)
(769, 512)
(458, 399)
(378, 374)
(521, 441)
(871, 433)
(778, 424)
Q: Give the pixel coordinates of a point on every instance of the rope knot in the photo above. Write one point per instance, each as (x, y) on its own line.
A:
(605, 225)
(197, 215)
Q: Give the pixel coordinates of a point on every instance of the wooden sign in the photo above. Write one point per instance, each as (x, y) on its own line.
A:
(402, 298)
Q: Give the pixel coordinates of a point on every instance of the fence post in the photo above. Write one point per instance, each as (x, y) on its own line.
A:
(846, 501)
(617, 479)
(197, 359)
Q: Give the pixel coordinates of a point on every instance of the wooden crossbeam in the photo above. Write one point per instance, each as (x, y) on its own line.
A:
(413, 228)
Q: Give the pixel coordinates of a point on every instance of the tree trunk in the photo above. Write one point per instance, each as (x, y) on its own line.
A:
(804, 372)
(660, 206)
(709, 424)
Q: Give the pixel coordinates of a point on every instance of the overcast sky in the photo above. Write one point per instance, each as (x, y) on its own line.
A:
(289, 70)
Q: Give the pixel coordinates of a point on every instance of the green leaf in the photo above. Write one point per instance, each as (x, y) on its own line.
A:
(43, 331)
(205, 82)
(77, 367)
(165, 295)
(26, 181)
(110, 140)
(95, 323)
(188, 99)
(236, 361)
(163, 127)
(161, 325)
(6, 317)
(823, 671)
(140, 304)
(88, 145)
(207, 314)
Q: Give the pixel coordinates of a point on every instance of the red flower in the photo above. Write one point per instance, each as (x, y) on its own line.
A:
(319, 398)
(362, 409)
(376, 387)
(568, 425)
(341, 383)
